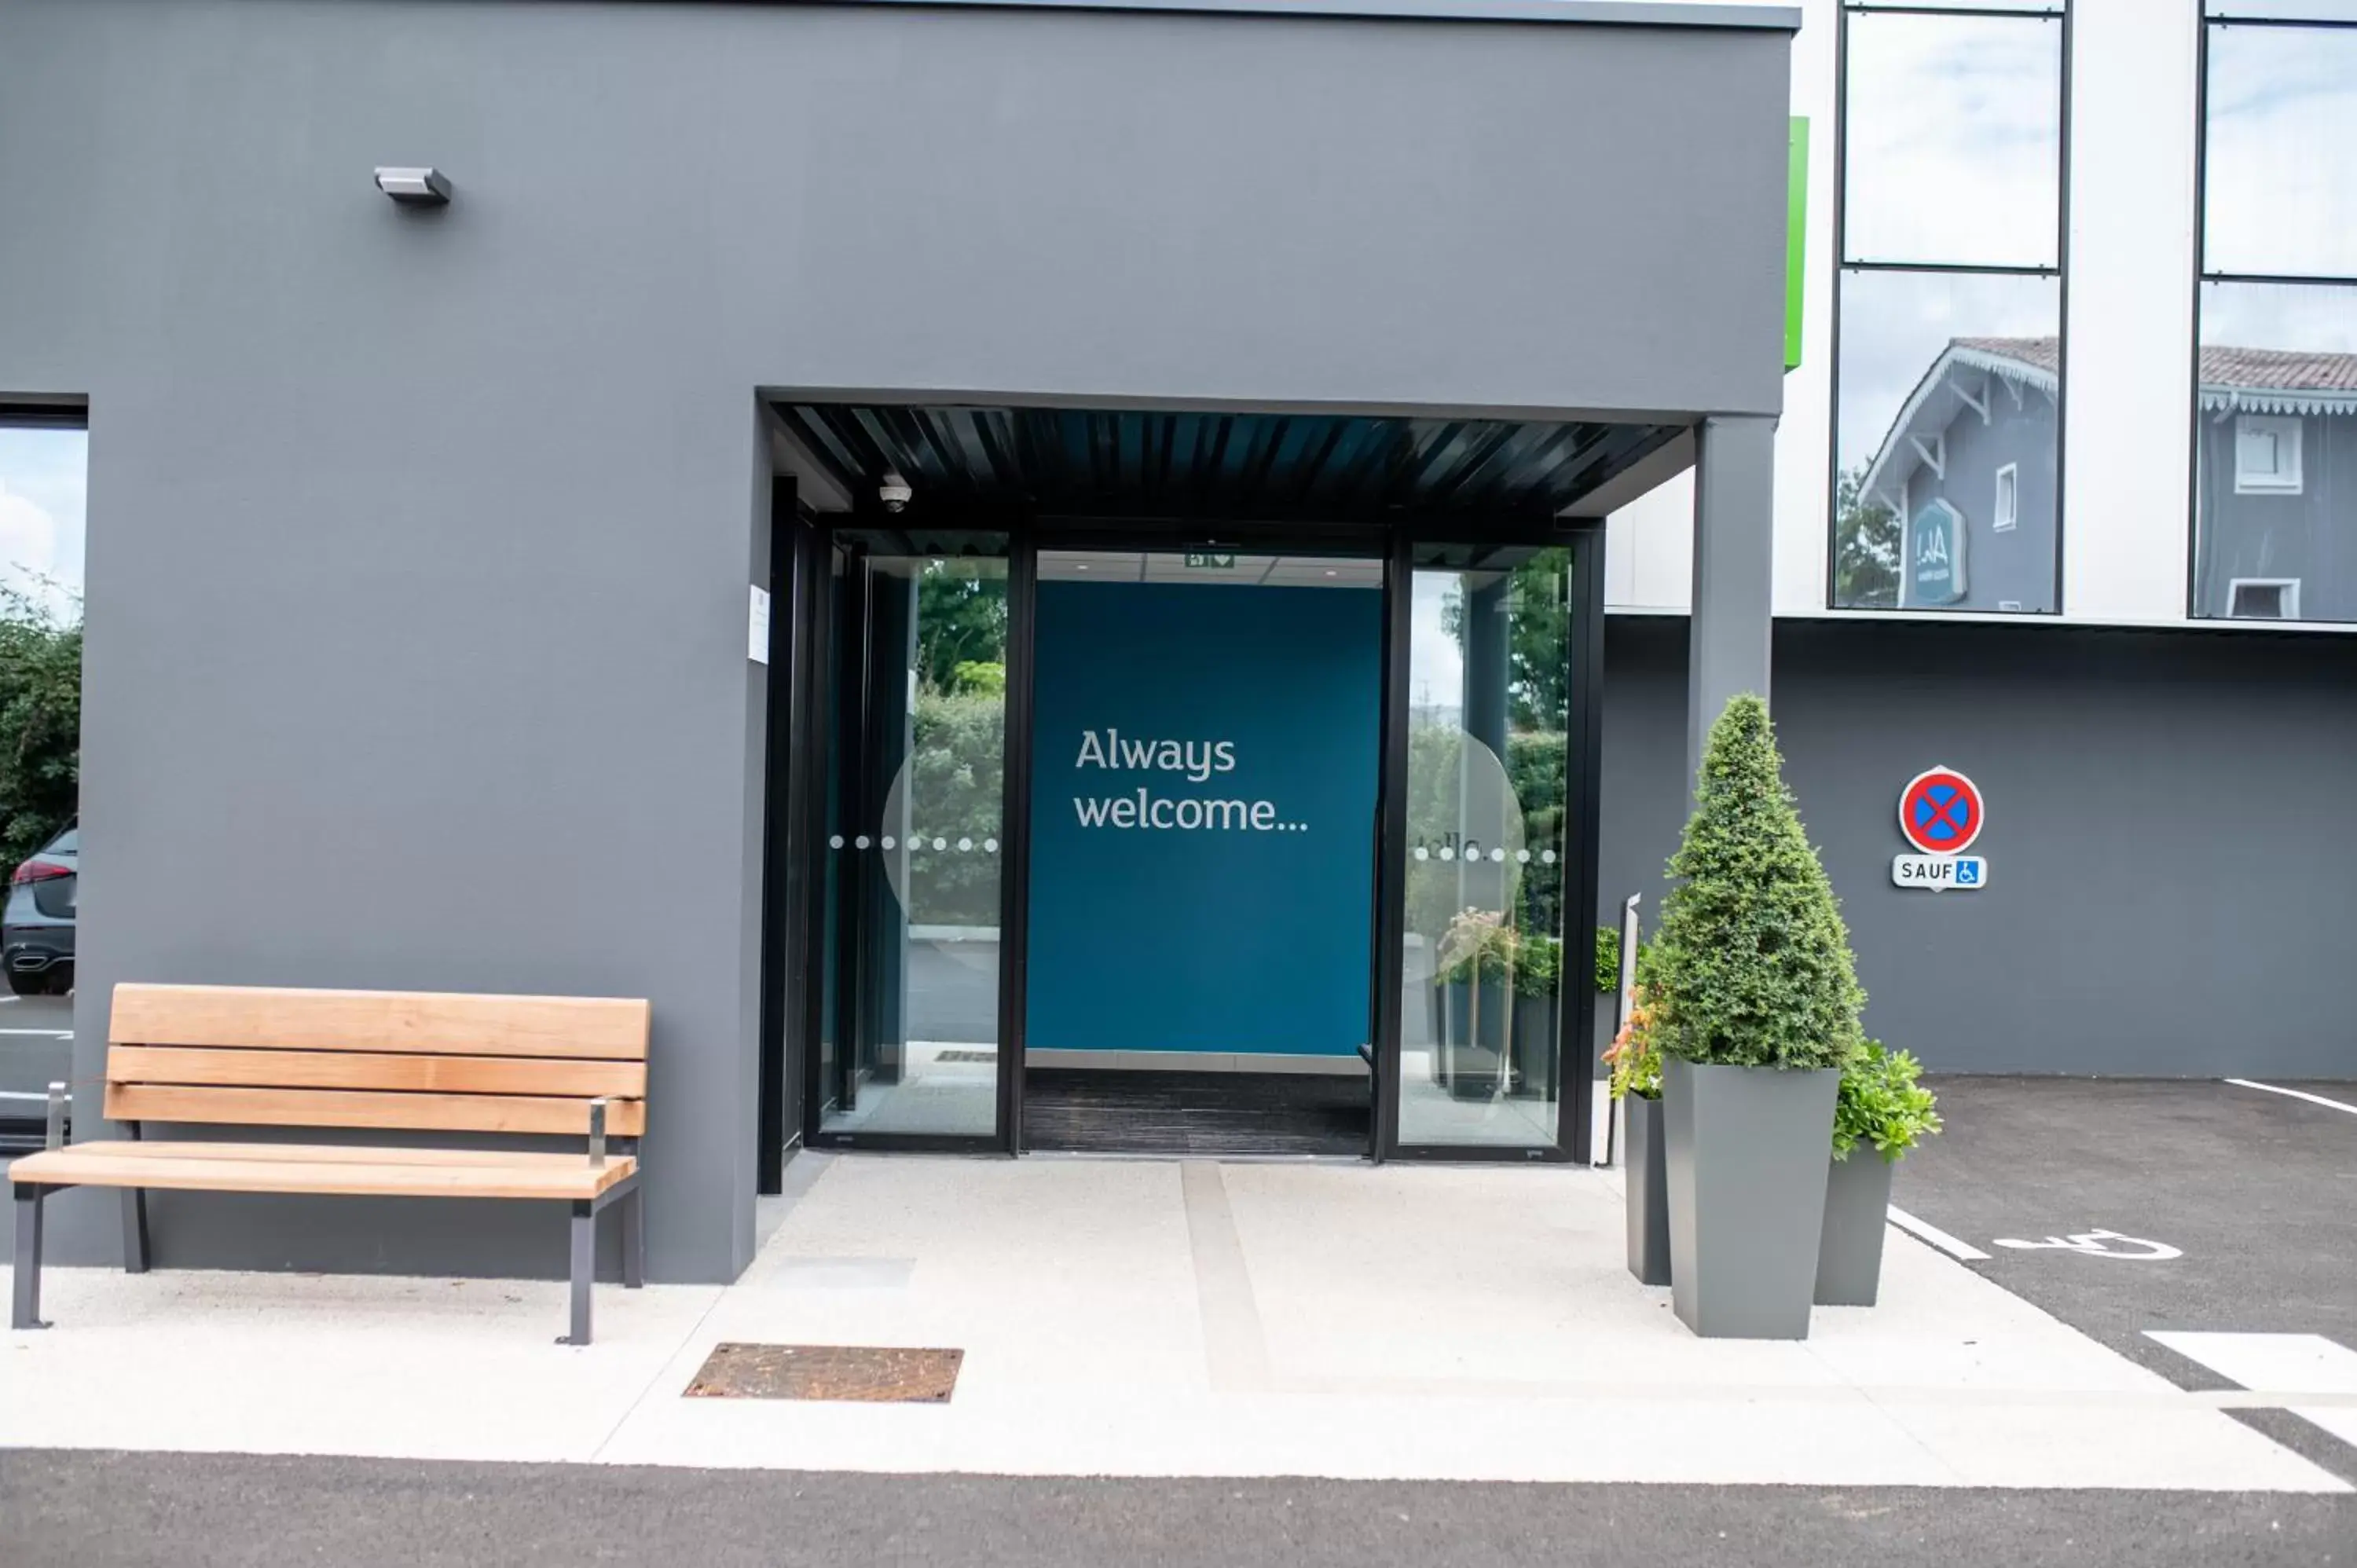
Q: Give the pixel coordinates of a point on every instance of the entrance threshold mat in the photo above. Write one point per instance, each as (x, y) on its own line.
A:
(867, 1374)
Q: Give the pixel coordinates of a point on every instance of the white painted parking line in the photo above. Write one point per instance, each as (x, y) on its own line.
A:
(2285, 1364)
(2295, 1094)
(1937, 1237)
(52, 1034)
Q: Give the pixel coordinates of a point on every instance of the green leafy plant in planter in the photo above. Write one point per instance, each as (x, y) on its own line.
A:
(1756, 1008)
(1607, 961)
(1882, 1106)
(1635, 1059)
(1752, 959)
(1635, 1054)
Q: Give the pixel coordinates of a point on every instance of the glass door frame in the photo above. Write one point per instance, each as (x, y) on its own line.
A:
(828, 682)
(1583, 742)
(1393, 539)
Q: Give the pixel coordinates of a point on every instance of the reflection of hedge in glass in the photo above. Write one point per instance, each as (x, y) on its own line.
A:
(956, 776)
(1538, 685)
(1535, 763)
(961, 623)
(40, 725)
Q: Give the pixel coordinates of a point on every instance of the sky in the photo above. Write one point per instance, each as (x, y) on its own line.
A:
(43, 503)
(1953, 136)
(2282, 183)
(1954, 132)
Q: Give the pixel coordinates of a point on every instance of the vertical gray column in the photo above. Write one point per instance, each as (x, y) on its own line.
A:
(1734, 570)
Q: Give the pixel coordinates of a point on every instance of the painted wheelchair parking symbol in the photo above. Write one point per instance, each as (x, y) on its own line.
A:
(2099, 1244)
(1940, 811)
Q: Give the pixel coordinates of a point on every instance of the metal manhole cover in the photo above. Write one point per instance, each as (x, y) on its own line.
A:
(873, 1374)
(965, 1055)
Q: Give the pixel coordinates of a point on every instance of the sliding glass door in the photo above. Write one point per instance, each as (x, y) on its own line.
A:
(1490, 781)
(913, 851)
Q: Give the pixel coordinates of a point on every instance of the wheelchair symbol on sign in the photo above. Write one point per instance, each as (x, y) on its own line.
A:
(2098, 1244)
(1968, 873)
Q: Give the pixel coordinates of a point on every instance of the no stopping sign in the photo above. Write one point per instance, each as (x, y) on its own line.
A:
(1940, 811)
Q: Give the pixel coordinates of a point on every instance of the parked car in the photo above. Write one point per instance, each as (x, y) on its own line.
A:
(36, 933)
(36, 948)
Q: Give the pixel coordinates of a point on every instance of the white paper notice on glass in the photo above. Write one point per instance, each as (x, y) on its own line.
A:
(756, 644)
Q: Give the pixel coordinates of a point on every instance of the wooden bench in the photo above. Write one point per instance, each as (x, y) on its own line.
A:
(383, 1061)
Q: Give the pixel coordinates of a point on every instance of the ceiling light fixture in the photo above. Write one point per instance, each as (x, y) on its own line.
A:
(414, 187)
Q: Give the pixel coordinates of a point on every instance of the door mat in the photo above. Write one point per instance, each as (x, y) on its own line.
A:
(965, 1055)
(867, 1373)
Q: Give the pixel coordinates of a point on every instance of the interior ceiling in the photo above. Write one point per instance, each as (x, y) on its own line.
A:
(1089, 462)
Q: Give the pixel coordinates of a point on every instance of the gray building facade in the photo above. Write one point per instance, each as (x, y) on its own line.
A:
(420, 541)
(2168, 893)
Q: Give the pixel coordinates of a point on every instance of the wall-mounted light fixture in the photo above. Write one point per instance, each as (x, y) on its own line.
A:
(414, 187)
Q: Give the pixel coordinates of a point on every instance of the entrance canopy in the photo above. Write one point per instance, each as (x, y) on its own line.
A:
(1301, 466)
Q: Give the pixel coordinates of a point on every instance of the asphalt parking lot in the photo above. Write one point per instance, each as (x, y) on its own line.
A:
(2228, 1210)
(36, 1047)
(196, 1511)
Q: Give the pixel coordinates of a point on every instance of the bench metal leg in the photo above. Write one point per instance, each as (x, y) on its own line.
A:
(634, 1238)
(25, 1309)
(134, 1229)
(585, 1269)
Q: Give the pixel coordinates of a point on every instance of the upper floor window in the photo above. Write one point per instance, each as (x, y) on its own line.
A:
(2275, 448)
(1948, 306)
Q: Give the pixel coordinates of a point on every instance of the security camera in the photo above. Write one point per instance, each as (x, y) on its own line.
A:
(894, 492)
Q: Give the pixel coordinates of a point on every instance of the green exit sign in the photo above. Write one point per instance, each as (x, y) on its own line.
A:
(1212, 561)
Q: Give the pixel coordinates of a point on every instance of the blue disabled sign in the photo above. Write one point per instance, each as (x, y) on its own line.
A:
(1940, 873)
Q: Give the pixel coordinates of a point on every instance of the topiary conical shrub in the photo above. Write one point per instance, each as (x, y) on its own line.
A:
(1752, 967)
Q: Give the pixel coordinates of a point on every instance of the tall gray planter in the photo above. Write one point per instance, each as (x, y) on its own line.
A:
(1849, 1248)
(1478, 1018)
(1747, 1187)
(1648, 1181)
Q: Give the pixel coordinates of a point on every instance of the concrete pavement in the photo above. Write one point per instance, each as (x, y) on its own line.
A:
(1153, 1319)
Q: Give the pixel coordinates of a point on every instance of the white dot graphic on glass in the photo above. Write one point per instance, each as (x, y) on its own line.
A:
(834, 841)
(1522, 857)
(1547, 857)
(940, 844)
(1447, 853)
(860, 843)
(887, 841)
(1497, 854)
(1422, 853)
(965, 844)
(990, 846)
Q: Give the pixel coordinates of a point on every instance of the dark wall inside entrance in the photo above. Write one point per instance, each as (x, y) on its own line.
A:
(419, 542)
(2171, 884)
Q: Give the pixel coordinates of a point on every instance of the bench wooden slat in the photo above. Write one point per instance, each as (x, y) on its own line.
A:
(541, 1076)
(603, 1028)
(331, 1154)
(308, 1169)
(360, 1108)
